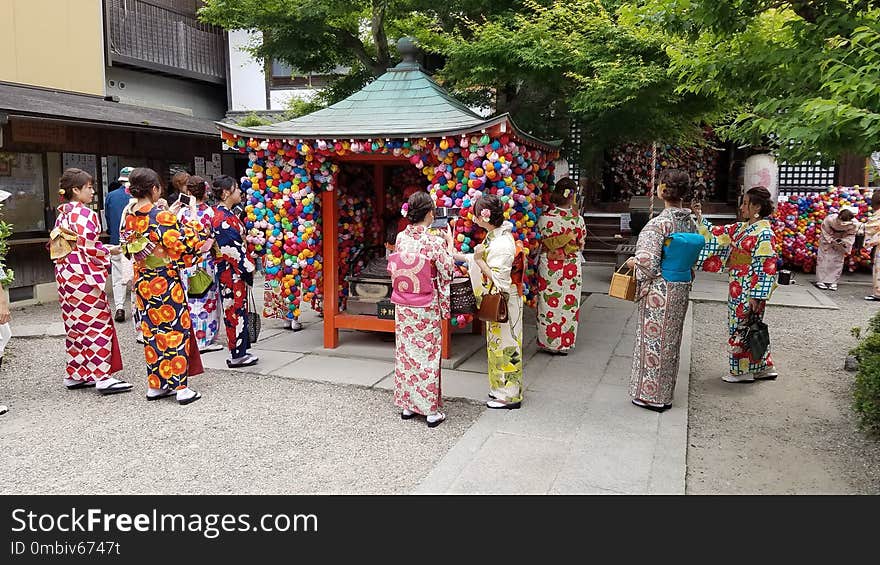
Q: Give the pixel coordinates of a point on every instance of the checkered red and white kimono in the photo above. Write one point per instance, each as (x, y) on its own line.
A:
(92, 347)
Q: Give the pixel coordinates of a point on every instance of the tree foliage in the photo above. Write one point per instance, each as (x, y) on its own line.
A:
(322, 36)
(805, 75)
(590, 60)
(801, 74)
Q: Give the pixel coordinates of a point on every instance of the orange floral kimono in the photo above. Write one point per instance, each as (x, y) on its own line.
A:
(160, 247)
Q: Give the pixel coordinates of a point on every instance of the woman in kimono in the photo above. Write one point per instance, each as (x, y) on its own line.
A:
(160, 248)
(202, 309)
(418, 311)
(836, 238)
(492, 267)
(748, 250)
(871, 231)
(559, 270)
(662, 303)
(92, 347)
(235, 271)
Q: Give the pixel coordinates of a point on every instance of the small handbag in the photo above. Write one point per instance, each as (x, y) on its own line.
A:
(756, 336)
(199, 283)
(623, 285)
(461, 296)
(493, 306)
(254, 319)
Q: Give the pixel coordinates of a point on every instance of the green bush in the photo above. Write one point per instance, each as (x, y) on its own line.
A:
(866, 396)
(252, 120)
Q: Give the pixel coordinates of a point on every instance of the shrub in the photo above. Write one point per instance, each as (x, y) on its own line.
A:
(866, 395)
(253, 120)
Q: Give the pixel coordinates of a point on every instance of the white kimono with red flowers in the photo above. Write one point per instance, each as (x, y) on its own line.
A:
(748, 251)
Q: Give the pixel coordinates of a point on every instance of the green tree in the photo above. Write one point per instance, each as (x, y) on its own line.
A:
(595, 61)
(804, 75)
(320, 36)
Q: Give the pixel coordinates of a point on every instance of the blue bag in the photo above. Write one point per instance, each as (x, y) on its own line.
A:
(680, 253)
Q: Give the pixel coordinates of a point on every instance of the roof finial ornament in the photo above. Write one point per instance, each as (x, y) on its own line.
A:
(407, 48)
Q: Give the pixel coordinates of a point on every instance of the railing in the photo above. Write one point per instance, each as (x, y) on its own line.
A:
(143, 34)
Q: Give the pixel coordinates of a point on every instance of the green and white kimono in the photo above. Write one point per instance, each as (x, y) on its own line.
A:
(503, 340)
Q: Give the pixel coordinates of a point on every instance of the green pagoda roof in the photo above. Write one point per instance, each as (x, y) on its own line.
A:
(403, 102)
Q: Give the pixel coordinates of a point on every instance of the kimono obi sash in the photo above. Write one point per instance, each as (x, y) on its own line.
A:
(559, 247)
(412, 277)
(680, 253)
(739, 259)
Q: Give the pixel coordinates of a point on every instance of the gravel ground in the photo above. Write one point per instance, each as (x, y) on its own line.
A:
(250, 434)
(795, 435)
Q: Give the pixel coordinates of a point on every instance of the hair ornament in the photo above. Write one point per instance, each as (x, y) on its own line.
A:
(404, 209)
(485, 214)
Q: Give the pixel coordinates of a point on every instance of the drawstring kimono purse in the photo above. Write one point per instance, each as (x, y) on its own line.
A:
(199, 284)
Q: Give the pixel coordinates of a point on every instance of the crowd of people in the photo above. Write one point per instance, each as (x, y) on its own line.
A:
(188, 268)
(669, 250)
(185, 263)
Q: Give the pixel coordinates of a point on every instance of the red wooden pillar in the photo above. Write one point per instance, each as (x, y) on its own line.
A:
(445, 338)
(330, 223)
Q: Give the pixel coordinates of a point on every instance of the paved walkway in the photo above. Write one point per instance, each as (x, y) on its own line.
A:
(576, 432)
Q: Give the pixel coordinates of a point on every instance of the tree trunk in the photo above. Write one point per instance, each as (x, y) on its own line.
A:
(377, 25)
(349, 41)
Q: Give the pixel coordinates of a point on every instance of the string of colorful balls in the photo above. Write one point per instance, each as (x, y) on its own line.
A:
(798, 219)
(283, 211)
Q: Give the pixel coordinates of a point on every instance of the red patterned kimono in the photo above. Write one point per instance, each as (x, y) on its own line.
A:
(417, 330)
(92, 348)
(160, 247)
(235, 273)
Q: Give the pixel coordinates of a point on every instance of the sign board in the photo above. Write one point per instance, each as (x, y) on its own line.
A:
(84, 161)
(212, 167)
(31, 131)
(624, 221)
(199, 169)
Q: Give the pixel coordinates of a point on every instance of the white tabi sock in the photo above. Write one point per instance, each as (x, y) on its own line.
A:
(184, 393)
(70, 382)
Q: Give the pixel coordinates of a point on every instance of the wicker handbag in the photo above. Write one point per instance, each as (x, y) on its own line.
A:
(461, 296)
(623, 285)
